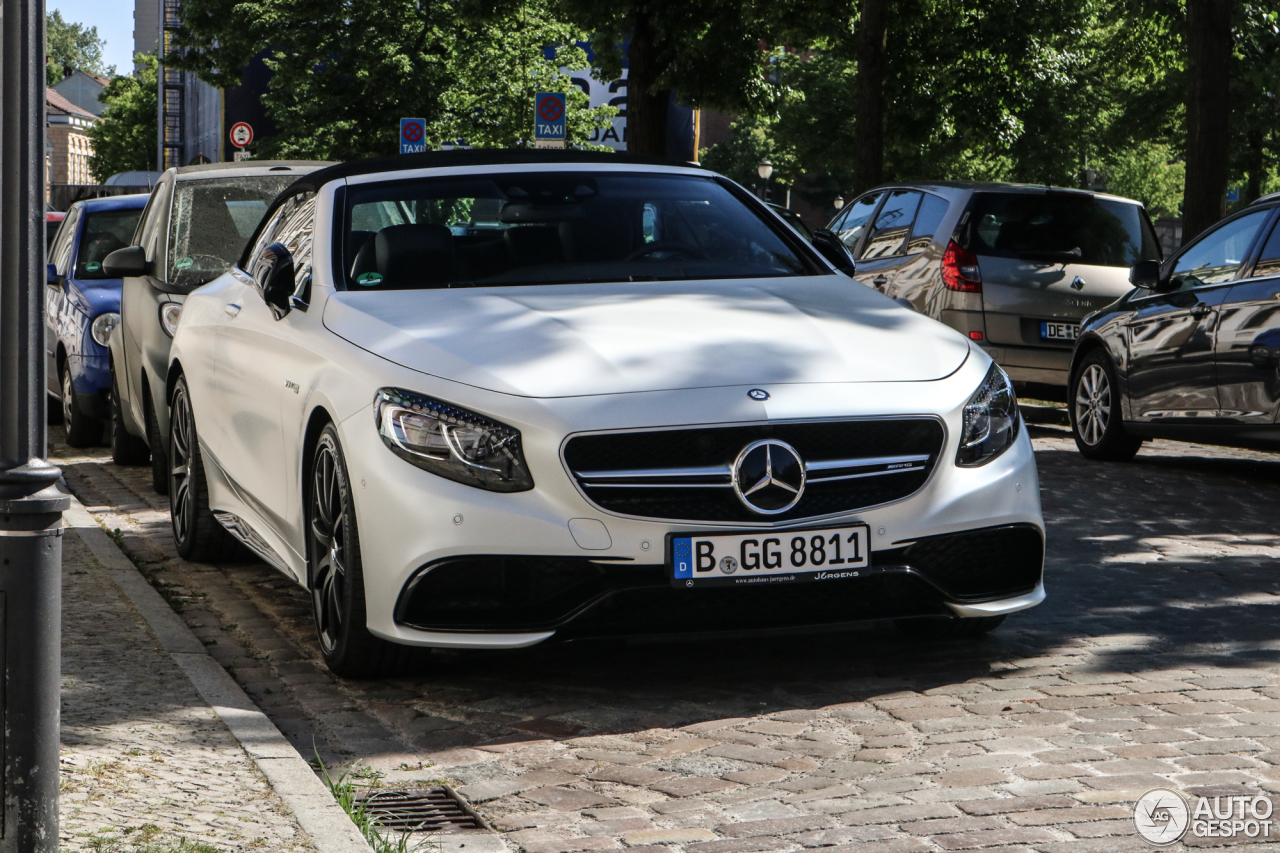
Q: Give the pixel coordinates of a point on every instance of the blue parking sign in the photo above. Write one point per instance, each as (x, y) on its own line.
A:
(549, 117)
(413, 135)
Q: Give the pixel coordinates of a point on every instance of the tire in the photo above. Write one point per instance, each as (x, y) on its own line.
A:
(197, 535)
(82, 430)
(1094, 406)
(948, 627)
(126, 449)
(336, 573)
(159, 458)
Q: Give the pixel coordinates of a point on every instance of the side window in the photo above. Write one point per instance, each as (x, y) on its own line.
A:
(152, 229)
(854, 221)
(292, 224)
(1269, 258)
(932, 210)
(60, 254)
(893, 224)
(1217, 256)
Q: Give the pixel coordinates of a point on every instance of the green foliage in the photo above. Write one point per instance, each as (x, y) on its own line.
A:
(1149, 174)
(71, 47)
(346, 792)
(753, 141)
(346, 71)
(125, 139)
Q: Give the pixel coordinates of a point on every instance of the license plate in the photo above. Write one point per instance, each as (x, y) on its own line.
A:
(774, 556)
(1059, 331)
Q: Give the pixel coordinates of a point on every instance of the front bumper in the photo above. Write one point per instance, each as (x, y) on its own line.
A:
(985, 571)
(91, 378)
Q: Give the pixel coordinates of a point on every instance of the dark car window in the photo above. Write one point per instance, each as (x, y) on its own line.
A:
(893, 224)
(850, 224)
(292, 225)
(60, 254)
(212, 220)
(1217, 255)
(932, 210)
(51, 227)
(104, 231)
(558, 228)
(1066, 227)
(1269, 258)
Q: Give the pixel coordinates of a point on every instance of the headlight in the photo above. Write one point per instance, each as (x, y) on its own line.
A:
(990, 420)
(169, 314)
(452, 442)
(102, 326)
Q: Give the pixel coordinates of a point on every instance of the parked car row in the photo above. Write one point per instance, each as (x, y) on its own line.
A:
(490, 399)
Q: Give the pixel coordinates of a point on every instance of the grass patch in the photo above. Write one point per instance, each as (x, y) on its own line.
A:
(345, 790)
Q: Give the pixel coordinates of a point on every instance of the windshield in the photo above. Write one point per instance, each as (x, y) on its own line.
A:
(103, 233)
(225, 213)
(1065, 227)
(556, 228)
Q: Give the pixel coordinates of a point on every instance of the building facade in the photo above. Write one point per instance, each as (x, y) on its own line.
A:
(68, 146)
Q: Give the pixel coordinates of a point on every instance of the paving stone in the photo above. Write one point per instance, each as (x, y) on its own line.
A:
(993, 838)
(776, 826)
(566, 798)
(668, 836)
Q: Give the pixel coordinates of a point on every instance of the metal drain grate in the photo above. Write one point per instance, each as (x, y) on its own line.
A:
(419, 810)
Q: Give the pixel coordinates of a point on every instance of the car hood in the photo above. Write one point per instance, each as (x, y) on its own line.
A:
(578, 340)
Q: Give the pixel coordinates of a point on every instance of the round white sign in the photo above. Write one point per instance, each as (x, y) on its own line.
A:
(241, 134)
(1161, 816)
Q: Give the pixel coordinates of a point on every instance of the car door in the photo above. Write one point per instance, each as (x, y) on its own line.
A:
(138, 301)
(255, 363)
(921, 267)
(55, 297)
(884, 249)
(1248, 345)
(1171, 334)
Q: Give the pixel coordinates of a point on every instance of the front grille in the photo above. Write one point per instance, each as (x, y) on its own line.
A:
(685, 474)
(978, 565)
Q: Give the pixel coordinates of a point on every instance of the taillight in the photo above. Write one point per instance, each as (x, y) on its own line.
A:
(960, 270)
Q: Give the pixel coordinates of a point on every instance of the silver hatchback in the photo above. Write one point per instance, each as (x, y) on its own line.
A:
(1013, 267)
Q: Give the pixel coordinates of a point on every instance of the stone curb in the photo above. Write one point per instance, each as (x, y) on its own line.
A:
(319, 816)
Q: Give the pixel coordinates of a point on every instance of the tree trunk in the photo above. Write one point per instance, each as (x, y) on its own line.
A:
(646, 106)
(1208, 114)
(1255, 165)
(868, 127)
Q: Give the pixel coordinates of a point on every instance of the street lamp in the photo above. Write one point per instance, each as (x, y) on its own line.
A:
(764, 170)
(839, 202)
(30, 504)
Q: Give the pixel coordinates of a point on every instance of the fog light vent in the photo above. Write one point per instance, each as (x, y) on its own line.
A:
(418, 810)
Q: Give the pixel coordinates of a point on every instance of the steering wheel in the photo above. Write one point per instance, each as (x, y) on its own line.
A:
(689, 251)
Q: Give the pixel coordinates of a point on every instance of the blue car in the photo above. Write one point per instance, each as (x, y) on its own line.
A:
(82, 307)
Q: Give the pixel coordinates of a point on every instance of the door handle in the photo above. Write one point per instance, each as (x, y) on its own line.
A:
(880, 280)
(232, 310)
(1200, 310)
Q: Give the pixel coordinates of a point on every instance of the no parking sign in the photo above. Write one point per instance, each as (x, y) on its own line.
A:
(549, 125)
(413, 135)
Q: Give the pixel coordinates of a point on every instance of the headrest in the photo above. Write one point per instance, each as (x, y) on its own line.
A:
(412, 254)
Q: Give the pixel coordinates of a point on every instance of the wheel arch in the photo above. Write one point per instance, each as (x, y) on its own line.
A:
(170, 382)
(319, 418)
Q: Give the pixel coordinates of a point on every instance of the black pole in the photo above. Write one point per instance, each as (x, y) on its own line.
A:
(30, 504)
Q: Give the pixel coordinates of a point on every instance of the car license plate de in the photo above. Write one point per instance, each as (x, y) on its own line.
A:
(768, 556)
(1059, 331)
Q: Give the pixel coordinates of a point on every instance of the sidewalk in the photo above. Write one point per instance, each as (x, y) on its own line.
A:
(148, 764)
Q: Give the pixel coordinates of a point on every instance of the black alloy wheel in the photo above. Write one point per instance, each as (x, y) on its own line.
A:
(126, 449)
(336, 573)
(82, 430)
(1096, 421)
(197, 535)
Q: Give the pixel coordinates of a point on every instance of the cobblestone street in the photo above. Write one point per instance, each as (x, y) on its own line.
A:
(1154, 662)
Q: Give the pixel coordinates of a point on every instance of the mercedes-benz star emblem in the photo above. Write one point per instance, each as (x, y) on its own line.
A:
(758, 394)
(768, 476)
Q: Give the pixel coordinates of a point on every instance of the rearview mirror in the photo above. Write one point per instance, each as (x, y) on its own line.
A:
(273, 273)
(830, 247)
(129, 262)
(1145, 274)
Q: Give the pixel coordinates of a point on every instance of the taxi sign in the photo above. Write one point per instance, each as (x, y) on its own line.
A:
(413, 135)
(549, 124)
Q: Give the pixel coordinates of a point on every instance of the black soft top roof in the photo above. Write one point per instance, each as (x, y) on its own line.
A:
(471, 157)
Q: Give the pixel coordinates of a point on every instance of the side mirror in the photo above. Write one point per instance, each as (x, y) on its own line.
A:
(51, 276)
(1145, 274)
(273, 273)
(830, 247)
(130, 262)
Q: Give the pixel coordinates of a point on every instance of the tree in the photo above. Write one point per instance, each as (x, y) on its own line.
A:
(708, 53)
(346, 71)
(124, 140)
(868, 155)
(1209, 50)
(71, 47)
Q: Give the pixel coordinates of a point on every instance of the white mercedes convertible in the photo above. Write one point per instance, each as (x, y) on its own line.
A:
(487, 399)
